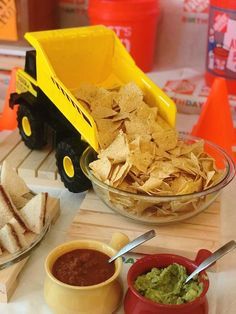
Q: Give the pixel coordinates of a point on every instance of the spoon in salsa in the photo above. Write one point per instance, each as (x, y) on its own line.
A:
(228, 247)
(131, 245)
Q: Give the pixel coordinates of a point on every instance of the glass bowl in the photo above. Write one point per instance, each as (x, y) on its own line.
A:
(187, 205)
(34, 240)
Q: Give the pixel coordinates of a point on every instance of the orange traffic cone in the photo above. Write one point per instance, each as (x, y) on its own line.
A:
(215, 121)
(234, 145)
(8, 117)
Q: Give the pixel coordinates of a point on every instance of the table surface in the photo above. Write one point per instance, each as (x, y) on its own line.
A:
(29, 293)
(28, 296)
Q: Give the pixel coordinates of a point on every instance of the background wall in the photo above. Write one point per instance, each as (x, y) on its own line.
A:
(182, 30)
(182, 34)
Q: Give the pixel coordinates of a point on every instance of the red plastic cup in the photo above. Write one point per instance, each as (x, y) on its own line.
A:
(135, 303)
(135, 23)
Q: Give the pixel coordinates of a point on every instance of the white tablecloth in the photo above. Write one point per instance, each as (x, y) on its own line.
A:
(28, 297)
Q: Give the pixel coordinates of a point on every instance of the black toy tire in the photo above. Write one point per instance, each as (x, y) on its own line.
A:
(36, 138)
(72, 149)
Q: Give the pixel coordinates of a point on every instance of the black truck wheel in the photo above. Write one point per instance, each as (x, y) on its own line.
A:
(31, 127)
(68, 155)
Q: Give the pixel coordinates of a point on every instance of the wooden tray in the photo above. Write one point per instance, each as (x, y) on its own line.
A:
(34, 166)
(8, 276)
(94, 220)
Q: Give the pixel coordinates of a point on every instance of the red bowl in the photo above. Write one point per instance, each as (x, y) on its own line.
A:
(135, 303)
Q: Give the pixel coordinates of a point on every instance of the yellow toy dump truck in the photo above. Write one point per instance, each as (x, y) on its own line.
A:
(61, 61)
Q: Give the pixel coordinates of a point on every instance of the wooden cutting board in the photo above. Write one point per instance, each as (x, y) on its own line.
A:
(34, 166)
(94, 220)
(9, 275)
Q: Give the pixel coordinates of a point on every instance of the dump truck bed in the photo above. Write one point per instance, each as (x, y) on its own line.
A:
(67, 58)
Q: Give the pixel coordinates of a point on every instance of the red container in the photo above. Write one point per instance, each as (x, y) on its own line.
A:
(220, 60)
(221, 53)
(21, 16)
(135, 303)
(135, 23)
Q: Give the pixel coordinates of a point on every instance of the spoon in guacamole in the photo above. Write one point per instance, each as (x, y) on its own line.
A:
(228, 247)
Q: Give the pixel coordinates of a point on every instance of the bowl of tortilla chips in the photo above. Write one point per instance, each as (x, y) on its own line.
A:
(144, 169)
(174, 187)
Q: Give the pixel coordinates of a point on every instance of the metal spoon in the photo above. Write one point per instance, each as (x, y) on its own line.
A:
(139, 240)
(231, 245)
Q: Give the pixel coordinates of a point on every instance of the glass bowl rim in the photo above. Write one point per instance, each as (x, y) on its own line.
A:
(12, 258)
(228, 177)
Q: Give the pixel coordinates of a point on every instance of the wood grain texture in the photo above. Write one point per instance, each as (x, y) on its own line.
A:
(18, 155)
(8, 280)
(95, 220)
(34, 166)
(9, 144)
(48, 169)
(30, 166)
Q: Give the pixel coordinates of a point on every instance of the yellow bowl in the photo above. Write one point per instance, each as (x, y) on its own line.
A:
(102, 298)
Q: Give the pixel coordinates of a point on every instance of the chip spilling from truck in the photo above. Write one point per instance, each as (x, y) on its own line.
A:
(83, 85)
(141, 154)
(58, 64)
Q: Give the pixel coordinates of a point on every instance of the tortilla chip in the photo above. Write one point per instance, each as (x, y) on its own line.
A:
(129, 97)
(140, 153)
(118, 150)
(104, 112)
(121, 174)
(101, 168)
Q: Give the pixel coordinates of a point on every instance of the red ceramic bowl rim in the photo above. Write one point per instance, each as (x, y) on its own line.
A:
(203, 276)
